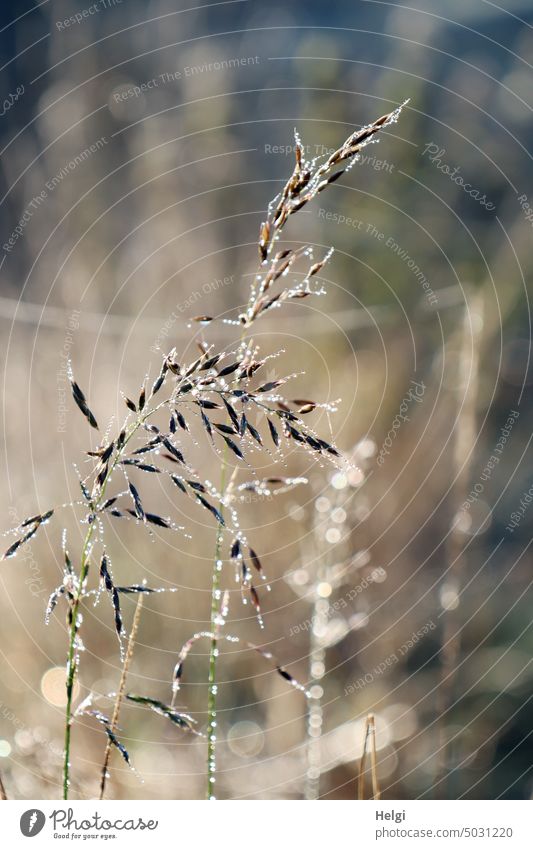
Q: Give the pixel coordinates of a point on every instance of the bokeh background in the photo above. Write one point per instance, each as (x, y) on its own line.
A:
(140, 145)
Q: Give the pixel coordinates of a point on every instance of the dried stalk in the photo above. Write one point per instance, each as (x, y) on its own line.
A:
(3, 794)
(121, 690)
(370, 735)
(465, 438)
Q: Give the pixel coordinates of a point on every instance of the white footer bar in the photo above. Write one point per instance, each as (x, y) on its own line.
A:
(267, 825)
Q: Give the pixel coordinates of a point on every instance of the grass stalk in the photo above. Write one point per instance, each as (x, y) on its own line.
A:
(317, 660)
(121, 689)
(315, 712)
(465, 441)
(74, 609)
(370, 738)
(71, 658)
(317, 665)
(213, 646)
(208, 383)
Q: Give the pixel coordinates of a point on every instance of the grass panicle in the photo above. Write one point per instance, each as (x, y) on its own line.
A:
(226, 398)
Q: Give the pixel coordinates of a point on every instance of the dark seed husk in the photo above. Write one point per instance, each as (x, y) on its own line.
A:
(85, 492)
(105, 575)
(295, 434)
(68, 563)
(268, 387)
(100, 478)
(117, 744)
(38, 519)
(182, 720)
(194, 367)
(329, 448)
(208, 405)
(143, 467)
(17, 544)
(157, 520)
(106, 722)
(255, 598)
(169, 457)
(284, 674)
(79, 398)
(198, 487)
(246, 574)
(181, 421)
(116, 607)
(232, 414)
(173, 450)
(179, 483)
(137, 501)
(228, 369)
(52, 602)
(253, 432)
(158, 383)
(223, 428)
(12, 549)
(144, 449)
(273, 433)
(255, 560)
(233, 447)
(216, 513)
(210, 363)
(106, 453)
(207, 424)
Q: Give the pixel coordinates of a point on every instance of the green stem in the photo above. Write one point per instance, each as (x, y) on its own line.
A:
(74, 610)
(213, 648)
(71, 662)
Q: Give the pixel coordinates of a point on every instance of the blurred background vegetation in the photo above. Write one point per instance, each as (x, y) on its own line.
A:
(153, 139)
